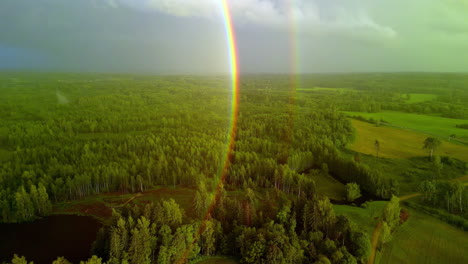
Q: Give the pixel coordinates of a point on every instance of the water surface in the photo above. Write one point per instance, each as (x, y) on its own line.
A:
(42, 241)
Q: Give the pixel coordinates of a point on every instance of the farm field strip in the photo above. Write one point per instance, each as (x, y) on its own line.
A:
(398, 143)
(441, 126)
(424, 239)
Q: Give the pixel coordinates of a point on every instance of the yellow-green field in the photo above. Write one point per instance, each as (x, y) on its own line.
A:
(432, 125)
(399, 143)
(424, 239)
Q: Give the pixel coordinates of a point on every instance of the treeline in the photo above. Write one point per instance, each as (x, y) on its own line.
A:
(450, 196)
(27, 203)
(389, 91)
(452, 219)
(304, 231)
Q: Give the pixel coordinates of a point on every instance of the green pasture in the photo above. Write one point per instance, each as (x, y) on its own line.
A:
(365, 218)
(424, 239)
(438, 126)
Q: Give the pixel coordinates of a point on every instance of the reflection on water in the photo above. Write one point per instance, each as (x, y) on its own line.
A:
(43, 240)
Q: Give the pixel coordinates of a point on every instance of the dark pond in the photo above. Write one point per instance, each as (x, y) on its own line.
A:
(42, 241)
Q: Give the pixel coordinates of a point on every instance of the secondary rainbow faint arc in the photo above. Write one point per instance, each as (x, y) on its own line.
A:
(234, 72)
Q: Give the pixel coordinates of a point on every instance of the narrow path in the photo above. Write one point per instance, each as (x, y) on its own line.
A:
(378, 227)
(129, 200)
(375, 241)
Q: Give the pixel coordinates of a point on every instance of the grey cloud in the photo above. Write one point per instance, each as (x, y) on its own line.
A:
(188, 36)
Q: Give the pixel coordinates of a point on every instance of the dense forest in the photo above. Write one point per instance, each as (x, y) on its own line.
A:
(130, 135)
(67, 137)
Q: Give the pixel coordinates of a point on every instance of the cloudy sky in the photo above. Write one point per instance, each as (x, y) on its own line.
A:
(277, 36)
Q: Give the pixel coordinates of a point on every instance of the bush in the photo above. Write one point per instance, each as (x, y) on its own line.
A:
(352, 191)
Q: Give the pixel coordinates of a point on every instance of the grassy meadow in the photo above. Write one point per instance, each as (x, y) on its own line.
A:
(366, 218)
(399, 143)
(328, 186)
(438, 126)
(424, 239)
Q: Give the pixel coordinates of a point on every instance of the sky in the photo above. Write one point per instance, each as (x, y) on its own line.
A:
(273, 36)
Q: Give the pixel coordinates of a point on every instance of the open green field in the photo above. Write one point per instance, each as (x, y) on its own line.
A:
(399, 143)
(365, 218)
(424, 239)
(328, 186)
(418, 97)
(439, 126)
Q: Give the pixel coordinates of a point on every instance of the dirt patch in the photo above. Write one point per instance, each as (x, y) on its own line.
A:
(404, 215)
(167, 191)
(99, 210)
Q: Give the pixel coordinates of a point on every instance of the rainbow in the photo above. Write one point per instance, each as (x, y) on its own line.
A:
(234, 73)
(232, 48)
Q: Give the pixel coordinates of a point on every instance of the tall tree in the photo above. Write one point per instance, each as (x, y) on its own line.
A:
(438, 165)
(391, 213)
(377, 147)
(431, 144)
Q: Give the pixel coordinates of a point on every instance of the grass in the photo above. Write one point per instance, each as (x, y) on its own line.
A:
(183, 196)
(418, 98)
(399, 143)
(365, 218)
(424, 239)
(329, 186)
(438, 126)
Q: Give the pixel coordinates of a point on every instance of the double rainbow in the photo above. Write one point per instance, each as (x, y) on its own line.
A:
(234, 72)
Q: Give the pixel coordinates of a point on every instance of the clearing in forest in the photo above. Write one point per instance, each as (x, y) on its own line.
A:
(328, 186)
(365, 218)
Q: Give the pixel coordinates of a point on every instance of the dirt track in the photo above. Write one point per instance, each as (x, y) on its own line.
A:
(129, 200)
